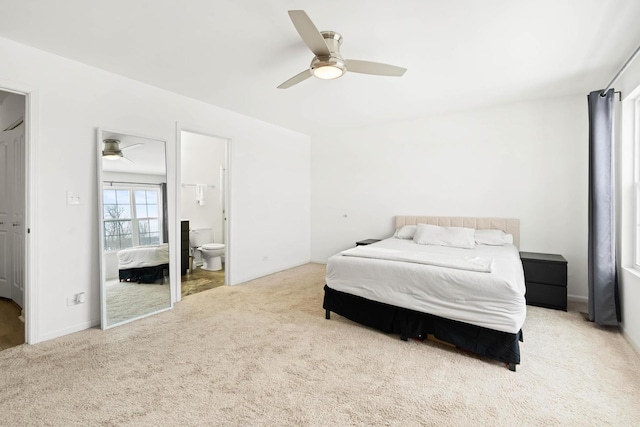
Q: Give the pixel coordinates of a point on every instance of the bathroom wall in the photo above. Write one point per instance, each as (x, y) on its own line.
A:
(201, 160)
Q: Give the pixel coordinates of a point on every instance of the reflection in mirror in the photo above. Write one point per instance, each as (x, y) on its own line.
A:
(134, 227)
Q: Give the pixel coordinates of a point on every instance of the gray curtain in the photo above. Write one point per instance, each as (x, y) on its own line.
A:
(604, 307)
(165, 213)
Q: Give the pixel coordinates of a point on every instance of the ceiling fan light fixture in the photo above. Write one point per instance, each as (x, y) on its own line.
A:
(328, 68)
(111, 149)
(328, 72)
(328, 62)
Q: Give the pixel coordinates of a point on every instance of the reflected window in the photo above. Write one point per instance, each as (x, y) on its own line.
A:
(132, 217)
(147, 214)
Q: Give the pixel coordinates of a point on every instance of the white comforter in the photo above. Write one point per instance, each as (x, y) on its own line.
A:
(143, 256)
(466, 262)
(493, 300)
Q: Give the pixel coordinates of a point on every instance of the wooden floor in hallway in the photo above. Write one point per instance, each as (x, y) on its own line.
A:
(201, 280)
(11, 327)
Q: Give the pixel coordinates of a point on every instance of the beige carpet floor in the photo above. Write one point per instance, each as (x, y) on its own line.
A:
(262, 354)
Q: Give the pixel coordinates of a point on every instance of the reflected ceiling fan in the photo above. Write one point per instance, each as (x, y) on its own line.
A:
(112, 150)
(328, 63)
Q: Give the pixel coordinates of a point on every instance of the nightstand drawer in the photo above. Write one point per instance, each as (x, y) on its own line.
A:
(550, 296)
(545, 272)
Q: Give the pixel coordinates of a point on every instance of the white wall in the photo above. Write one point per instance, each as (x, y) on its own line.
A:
(629, 278)
(527, 161)
(201, 159)
(269, 180)
(11, 109)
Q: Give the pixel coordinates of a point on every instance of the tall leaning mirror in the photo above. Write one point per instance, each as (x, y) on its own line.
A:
(134, 232)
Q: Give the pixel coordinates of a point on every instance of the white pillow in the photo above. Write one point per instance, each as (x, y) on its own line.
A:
(491, 237)
(457, 237)
(406, 232)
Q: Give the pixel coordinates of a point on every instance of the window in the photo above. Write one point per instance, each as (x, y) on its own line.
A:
(637, 220)
(636, 179)
(132, 217)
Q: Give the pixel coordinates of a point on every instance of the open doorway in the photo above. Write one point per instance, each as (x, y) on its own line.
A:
(12, 218)
(203, 210)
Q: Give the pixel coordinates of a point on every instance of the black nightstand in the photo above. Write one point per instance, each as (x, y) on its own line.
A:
(184, 247)
(366, 242)
(545, 276)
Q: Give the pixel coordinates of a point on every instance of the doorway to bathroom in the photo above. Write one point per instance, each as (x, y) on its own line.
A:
(203, 210)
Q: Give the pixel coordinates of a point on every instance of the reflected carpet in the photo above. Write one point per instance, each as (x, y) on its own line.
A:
(127, 300)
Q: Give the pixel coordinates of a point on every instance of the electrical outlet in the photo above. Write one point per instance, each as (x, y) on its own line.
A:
(79, 298)
(73, 198)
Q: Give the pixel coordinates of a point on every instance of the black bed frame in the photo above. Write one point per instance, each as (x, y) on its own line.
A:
(153, 274)
(501, 346)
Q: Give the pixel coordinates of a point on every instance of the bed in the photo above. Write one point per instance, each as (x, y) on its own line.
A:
(472, 297)
(144, 264)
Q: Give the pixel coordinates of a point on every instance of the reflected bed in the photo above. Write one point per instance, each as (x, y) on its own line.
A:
(144, 264)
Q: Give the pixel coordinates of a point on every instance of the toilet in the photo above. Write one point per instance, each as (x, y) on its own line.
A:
(201, 240)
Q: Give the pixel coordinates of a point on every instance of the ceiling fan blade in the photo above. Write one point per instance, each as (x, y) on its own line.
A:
(309, 33)
(132, 146)
(128, 159)
(296, 79)
(377, 68)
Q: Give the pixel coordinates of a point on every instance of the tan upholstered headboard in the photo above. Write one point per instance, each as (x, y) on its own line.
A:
(508, 225)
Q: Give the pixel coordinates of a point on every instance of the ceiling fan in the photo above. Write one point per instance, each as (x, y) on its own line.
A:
(328, 63)
(112, 150)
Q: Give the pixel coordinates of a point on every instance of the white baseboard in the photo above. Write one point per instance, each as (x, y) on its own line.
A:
(268, 272)
(630, 340)
(70, 330)
(632, 343)
(318, 261)
(577, 298)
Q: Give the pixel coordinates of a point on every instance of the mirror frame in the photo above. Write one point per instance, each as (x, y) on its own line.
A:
(171, 219)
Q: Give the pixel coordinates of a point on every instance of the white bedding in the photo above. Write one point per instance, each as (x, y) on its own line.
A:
(466, 262)
(143, 256)
(493, 300)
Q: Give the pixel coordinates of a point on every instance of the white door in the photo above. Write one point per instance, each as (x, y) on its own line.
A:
(17, 221)
(6, 174)
(12, 200)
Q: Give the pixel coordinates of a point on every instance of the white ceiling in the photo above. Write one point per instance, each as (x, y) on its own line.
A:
(459, 54)
(142, 156)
